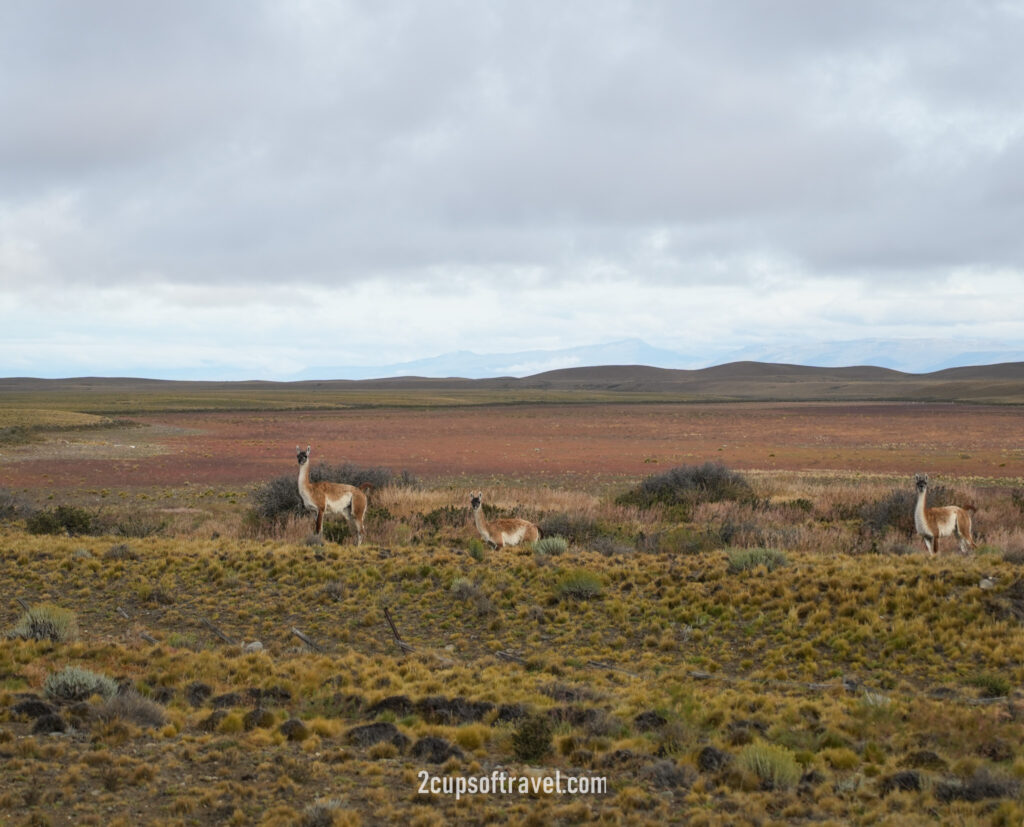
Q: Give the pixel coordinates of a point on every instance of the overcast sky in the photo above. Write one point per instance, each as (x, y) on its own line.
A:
(256, 189)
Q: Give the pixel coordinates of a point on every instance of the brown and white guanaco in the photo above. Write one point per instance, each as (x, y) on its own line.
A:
(505, 531)
(332, 497)
(942, 521)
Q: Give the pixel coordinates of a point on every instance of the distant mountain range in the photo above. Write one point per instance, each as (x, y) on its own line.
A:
(906, 355)
(735, 381)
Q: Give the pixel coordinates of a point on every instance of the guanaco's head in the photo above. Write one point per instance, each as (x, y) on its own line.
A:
(474, 500)
(302, 456)
(921, 481)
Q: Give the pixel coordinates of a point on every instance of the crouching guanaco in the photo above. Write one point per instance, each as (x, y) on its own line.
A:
(506, 531)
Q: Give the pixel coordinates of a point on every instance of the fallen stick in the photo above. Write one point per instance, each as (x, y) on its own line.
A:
(23, 604)
(306, 640)
(600, 665)
(405, 647)
(509, 656)
(216, 631)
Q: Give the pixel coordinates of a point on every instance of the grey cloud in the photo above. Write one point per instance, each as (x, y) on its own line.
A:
(335, 142)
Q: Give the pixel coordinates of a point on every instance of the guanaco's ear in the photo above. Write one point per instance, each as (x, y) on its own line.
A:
(308, 449)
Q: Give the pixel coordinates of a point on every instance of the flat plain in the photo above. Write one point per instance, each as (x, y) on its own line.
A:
(789, 657)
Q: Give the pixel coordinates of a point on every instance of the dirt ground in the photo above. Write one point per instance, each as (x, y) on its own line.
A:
(560, 443)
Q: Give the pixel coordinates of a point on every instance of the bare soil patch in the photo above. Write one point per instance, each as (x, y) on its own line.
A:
(558, 442)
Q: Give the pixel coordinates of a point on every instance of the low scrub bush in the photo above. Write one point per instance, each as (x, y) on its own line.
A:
(447, 516)
(532, 738)
(74, 683)
(745, 559)
(992, 686)
(64, 519)
(133, 708)
(11, 505)
(776, 767)
(138, 523)
(681, 489)
(575, 529)
(551, 545)
(579, 585)
(610, 546)
(47, 622)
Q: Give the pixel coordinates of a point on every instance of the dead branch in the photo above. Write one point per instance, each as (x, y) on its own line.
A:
(405, 647)
(216, 631)
(309, 642)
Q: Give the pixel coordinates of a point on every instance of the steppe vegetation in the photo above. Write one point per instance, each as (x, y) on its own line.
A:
(723, 647)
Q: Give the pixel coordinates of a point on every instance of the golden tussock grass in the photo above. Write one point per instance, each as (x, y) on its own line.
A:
(855, 662)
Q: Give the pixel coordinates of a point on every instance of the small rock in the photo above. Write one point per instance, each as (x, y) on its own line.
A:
(254, 646)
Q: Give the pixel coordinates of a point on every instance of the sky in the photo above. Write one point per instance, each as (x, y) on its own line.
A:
(263, 190)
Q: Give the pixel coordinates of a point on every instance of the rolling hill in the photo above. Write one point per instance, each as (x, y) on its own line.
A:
(735, 381)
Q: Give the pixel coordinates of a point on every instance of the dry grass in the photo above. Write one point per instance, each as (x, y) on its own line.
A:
(852, 684)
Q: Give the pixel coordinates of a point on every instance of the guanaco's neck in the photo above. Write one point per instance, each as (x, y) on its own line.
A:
(304, 485)
(478, 518)
(919, 510)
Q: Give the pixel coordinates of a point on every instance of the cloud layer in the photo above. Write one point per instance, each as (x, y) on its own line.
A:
(240, 182)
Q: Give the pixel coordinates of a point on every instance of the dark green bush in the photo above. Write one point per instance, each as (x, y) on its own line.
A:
(447, 516)
(65, 518)
(532, 739)
(682, 488)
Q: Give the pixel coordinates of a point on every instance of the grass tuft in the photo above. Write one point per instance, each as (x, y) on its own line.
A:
(747, 559)
(579, 585)
(775, 766)
(47, 622)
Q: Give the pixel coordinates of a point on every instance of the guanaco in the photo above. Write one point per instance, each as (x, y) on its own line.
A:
(507, 531)
(332, 497)
(943, 521)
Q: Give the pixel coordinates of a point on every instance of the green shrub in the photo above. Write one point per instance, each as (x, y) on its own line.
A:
(65, 518)
(47, 622)
(682, 488)
(579, 585)
(992, 686)
(745, 559)
(775, 766)
(575, 529)
(477, 549)
(447, 516)
(76, 684)
(551, 545)
(532, 739)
